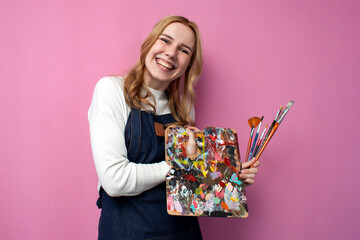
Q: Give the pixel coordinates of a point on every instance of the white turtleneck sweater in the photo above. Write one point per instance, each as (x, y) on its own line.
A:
(107, 116)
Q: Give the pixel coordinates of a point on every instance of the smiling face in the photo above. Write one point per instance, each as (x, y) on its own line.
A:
(169, 57)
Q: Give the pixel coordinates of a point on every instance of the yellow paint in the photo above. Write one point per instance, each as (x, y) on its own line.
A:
(196, 164)
(198, 191)
(213, 167)
(233, 199)
(184, 161)
(203, 145)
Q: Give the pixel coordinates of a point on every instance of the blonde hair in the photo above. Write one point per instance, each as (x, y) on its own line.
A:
(180, 104)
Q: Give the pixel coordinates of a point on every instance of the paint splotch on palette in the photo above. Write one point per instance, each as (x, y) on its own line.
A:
(205, 183)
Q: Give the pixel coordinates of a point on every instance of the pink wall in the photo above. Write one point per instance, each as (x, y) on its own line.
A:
(258, 55)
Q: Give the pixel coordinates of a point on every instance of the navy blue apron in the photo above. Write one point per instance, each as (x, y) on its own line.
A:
(144, 216)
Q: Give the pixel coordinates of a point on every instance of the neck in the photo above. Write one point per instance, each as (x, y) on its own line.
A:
(158, 85)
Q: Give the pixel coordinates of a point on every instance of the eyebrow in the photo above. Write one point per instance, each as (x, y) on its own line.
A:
(173, 39)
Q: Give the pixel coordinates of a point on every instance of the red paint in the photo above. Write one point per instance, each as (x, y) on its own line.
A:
(227, 143)
(227, 161)
(190, 177)
(182, 148)
(213, 138)
(221, 184)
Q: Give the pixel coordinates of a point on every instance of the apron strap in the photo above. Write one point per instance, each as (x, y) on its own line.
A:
(135, 135)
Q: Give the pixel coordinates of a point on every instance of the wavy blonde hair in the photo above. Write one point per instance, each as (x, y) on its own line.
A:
(180, 104)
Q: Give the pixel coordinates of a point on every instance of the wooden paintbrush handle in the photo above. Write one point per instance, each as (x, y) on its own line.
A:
(248, 149)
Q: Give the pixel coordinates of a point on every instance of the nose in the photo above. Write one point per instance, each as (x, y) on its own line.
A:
(171, 51)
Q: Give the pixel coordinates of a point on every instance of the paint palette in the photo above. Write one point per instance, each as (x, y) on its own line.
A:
(204, 183)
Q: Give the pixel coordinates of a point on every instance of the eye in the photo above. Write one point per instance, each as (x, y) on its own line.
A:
(164, 40)
(184, 51)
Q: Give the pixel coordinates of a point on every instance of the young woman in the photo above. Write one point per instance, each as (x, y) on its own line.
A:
(128, 148)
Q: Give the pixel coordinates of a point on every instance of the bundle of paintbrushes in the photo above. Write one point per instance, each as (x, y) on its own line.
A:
(256, 147)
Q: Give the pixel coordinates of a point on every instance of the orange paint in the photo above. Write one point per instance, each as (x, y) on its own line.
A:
(224, 206)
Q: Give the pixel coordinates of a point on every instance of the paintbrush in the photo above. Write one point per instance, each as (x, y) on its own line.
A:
(288, 106)
(259, 142)
(279, 112)
(272, 125)
(273, 129)
(255, 139)
(253, 123)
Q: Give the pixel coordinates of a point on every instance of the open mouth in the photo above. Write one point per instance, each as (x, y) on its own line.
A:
(164, 64)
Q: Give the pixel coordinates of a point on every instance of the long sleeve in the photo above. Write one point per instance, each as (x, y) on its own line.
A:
(107, 119)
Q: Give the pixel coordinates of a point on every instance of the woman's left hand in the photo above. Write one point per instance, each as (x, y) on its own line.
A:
(248, 173)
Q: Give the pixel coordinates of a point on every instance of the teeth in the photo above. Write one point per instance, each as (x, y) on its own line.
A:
(164, 64)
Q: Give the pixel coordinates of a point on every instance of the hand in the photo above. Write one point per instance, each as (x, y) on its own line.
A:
(194, 129)
(191, 148)
(247, 172)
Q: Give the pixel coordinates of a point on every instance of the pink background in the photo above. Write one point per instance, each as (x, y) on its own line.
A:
(258, 55)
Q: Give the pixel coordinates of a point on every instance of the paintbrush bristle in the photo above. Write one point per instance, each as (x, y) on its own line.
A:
(285, 111)
(254, 122)
(289, 104)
